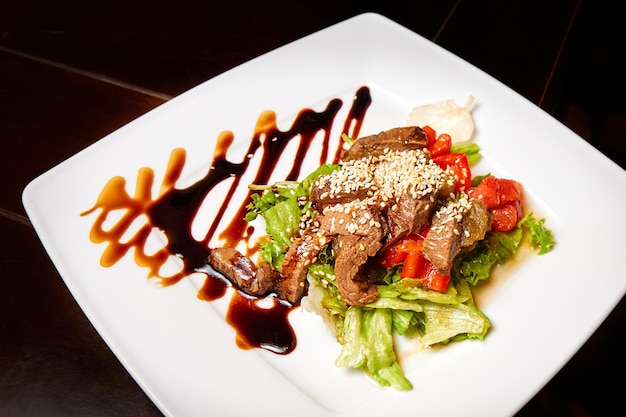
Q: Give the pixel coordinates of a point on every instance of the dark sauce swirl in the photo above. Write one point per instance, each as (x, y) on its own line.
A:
(175, 209)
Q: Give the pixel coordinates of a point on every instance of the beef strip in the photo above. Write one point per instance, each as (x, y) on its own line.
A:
(243, 272)
(357, 230)
(450, 231)
(351, 219)
(409, 215)
(322, 196)
(351, 255)
(302, 252)
(477, 222)
(402, 138)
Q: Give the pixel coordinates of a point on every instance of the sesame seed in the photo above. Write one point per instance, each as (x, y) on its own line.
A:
(387, 176)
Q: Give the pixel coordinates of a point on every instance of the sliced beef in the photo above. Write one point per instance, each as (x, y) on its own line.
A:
(476, 223)
(357, 231)
(302, 252)
(351, 256)
(322, 195)
(358, 220)
(454, 228)
(402, 138)
(409, 215)
(243, 272)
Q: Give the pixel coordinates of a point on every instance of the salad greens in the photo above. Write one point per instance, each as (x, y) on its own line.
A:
(499, 247)
(403, 307)
(281, 205)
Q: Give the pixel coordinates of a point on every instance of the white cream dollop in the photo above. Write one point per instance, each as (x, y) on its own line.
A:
(445, 117)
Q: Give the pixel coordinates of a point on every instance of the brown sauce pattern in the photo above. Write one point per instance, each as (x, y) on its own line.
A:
(174, 209)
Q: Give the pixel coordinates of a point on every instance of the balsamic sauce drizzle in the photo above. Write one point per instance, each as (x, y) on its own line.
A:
(174, 210)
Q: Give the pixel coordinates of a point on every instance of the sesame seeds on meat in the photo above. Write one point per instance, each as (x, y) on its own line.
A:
(386, 177)
(453, 210)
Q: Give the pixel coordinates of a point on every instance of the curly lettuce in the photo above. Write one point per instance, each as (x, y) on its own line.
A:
(499, 247)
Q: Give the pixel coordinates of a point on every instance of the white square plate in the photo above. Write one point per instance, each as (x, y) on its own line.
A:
(180, 349)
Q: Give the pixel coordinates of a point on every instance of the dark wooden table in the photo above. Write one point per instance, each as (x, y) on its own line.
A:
(72, 72)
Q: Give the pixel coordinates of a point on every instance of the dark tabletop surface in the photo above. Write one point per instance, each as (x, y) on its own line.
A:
(72, 72)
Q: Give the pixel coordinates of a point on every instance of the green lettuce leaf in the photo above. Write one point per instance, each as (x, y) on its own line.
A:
(499, 247)
(368, 345)
(541, 238)
(495, 249)
(281, 207)
(444, 323)
(333, 309)
(403, 307)
(471, 150)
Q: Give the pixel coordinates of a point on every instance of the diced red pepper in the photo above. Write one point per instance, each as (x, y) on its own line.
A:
(460, 166)
(495, 192)
(413, 264)
(431, 135)
(441, 146)
(408, 251)
(506, 217)
(503, 198)
(433, 279)
(397, 253)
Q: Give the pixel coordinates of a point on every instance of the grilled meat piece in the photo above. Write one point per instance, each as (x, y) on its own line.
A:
(323, 195)
(402, 138)
(357, 230)
(409, 215)
(302, 252)
(351, 256)
(243, 272)
(351, 219)
(458, 224)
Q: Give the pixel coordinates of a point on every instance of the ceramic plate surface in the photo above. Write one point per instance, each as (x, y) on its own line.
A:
(181, 350)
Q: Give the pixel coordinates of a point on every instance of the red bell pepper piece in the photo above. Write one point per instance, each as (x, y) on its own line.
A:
(460, 166)
(433, 279)
(408, 251)
(495, 192)
(506, 217)
(397, 253)
(503, 198)
(412, 265)
(431, 135)
(441, 146)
